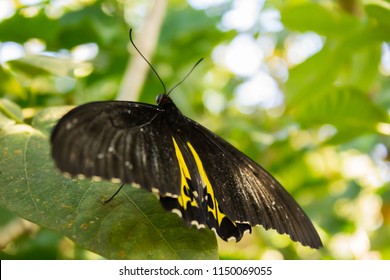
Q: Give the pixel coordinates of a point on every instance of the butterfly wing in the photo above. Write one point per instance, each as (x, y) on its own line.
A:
(195, 171)
(118, 141)
(245, 192)
(131, 142)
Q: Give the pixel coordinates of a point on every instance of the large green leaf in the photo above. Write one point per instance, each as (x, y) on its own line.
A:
(318, 18)
(379, 10)
(10, 112)
(34, 65)
(352, 61)
(40, 26)
(133, 225)
(303, 81)
(361, 66)
(349, 110)
(10, 84)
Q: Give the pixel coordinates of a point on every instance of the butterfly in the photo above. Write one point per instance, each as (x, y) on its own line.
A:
(195, 173)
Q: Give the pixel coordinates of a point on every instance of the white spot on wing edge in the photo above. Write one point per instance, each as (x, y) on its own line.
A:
(116, 180)
(97, 178)
(232, 239)
(197, 224)
(167, 194)
(177, 212)
(81, 176)
(248, 231)
(242, 222)
(67, 175)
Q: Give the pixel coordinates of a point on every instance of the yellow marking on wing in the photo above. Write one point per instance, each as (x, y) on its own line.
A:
(183, 199)
(218, 215)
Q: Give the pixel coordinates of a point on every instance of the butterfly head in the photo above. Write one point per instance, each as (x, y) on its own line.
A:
(163, 100)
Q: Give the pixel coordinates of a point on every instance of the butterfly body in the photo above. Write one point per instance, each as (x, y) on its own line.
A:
(196, 173)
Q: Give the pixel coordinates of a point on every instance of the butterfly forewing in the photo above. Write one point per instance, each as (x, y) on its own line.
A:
(119, 141)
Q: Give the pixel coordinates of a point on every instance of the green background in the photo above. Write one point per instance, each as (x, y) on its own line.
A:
(326, 140)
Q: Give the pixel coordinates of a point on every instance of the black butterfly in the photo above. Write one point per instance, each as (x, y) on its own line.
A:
(196, 173)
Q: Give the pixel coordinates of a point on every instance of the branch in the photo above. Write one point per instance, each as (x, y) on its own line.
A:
(14, 230)
(351, 6)
(137, 69)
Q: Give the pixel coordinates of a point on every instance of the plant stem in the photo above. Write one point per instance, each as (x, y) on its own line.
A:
(137, 69)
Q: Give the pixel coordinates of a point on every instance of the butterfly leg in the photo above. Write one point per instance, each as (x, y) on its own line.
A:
(111, 198)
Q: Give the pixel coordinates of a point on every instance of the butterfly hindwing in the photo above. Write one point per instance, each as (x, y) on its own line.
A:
(196, 202)
(245, 192)
(189, 204)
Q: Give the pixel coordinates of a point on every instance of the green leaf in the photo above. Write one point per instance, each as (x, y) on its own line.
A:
(318, 18)
(304, 81)
(347, 109)
(10, 111)
(131, 226)
(9, 84)
(40, 26)
(90, 24)
(361, 66)
(379, 10)
(34, 65)
(353, 61)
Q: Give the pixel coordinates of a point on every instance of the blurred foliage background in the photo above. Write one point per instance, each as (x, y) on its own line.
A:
(300, 86)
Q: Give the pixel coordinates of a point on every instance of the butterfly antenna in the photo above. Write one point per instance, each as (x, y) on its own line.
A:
(155, 72)
(189, 73)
